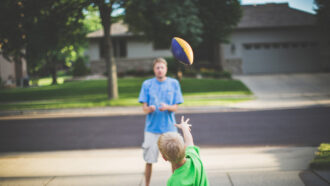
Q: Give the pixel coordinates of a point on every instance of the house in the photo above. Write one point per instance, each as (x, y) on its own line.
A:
(130, 52)
(270, 38)
(11, 73)
(274, 38)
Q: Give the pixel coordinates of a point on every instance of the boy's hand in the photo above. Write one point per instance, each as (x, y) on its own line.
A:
(184, 124)
(185, 127)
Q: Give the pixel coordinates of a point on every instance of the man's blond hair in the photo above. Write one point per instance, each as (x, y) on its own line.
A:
(159, 60)
(172, 147)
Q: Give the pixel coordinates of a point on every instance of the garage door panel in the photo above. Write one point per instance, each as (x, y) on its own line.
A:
(280, 60)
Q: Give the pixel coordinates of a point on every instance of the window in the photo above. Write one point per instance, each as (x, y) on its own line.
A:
(266, 45)
(161, 46)
(247, 46)
(119, 48)
(232, 49)
(278, 45)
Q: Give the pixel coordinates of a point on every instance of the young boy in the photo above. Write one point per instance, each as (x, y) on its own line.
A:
(187, 166)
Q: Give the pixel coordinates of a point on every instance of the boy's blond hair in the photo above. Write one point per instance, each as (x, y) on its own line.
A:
(172, 147)
(159, 60)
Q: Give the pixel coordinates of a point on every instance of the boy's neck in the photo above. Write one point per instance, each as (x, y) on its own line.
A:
(178, 165)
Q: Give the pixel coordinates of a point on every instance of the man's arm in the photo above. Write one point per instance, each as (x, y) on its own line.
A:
(185, 127)
(171, 108)
(148, 109)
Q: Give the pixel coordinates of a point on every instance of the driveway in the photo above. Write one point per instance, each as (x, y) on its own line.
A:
(287, 90)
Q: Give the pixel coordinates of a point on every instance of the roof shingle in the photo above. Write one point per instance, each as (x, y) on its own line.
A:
(274, 15)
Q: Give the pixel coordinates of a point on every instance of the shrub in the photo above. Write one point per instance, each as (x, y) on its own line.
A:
(322, 157)
(173, 66)
(138, 73)
(211, 73)
(79, 68)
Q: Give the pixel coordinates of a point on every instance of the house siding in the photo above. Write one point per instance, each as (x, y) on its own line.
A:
(139, 49)
(7, 70)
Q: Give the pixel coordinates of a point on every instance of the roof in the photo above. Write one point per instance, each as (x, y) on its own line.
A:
(268, 15)
(274, 15)
(117, 29)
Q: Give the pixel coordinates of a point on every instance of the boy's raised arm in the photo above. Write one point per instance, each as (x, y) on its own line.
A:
(185, 127)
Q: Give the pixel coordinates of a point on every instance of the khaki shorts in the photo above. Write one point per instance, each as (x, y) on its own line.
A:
(150, 148)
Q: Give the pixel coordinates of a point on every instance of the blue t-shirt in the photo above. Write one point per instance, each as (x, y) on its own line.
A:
(154, 92)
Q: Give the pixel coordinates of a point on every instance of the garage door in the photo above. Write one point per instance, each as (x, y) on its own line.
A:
(281, 57)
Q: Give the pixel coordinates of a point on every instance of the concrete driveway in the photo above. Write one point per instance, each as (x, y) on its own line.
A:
(287, 90)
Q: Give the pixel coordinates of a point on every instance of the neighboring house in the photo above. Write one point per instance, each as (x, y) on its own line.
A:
(274, 38)
(270, 38)
(9, 71)
(130, 52)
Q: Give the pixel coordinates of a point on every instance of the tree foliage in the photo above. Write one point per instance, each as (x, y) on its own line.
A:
(57, 32)
(219, 18)
(323, 15)
(198, 21)
(92, 20)
(12, 32)
(44, 32)
(160, 20)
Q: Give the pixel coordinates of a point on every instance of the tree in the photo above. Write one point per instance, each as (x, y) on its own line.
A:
(323, 15)
(197, 21)
(219, 18)
(159, 21)
(13, 34)
(57, 31)
(41, 31)
(106, 7)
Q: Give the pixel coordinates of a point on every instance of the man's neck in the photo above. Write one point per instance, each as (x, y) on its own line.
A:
(161, 79)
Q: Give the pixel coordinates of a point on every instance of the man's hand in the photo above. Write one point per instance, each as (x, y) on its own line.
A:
(163, 107)
(148, 109)
(152, 108)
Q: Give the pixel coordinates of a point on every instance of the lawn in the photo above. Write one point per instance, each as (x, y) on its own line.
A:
(92, 93)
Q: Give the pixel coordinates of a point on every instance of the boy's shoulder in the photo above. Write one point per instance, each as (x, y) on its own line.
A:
(192, 172)
(192, 150)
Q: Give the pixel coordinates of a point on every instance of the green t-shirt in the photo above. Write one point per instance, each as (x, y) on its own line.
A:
(192, 172)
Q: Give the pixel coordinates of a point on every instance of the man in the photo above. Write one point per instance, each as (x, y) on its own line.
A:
(160, 96)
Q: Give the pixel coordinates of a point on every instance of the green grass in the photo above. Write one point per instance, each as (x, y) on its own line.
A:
(322, 157)
(48, 81)
(92, 93)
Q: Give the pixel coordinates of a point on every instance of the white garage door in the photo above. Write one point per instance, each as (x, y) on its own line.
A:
(281, 57)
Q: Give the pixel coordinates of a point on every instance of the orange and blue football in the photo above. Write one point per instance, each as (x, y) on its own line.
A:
(182, 51)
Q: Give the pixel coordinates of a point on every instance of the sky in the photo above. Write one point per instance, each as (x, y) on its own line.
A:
(305, 5)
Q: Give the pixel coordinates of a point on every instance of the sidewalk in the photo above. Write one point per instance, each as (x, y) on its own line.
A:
(272, 166)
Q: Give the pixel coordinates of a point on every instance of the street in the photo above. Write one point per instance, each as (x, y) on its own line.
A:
(285, 127)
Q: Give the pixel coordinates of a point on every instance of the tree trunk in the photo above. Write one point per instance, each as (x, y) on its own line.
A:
(53, 70)
(54, 75)
(18, 71)
(105, 13)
